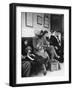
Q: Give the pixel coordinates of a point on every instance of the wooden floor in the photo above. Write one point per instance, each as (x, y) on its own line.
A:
(52, 73)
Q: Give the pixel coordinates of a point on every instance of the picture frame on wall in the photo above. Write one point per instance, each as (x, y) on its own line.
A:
(28, 66)
(46, 21)
(29, 19)
(39, 20)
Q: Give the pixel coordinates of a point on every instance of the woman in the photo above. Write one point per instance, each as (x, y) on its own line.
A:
(40, 52)
(49, 48)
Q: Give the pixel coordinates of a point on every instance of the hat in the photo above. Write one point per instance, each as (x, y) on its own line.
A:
(40, 34)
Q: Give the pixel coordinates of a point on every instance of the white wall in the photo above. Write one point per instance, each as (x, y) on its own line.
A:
(35, 25)
(4, 45)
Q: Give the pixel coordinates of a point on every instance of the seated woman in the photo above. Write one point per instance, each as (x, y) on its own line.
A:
(26, 64)
(49, 48)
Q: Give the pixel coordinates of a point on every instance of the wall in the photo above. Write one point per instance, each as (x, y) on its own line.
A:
(36, 26)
